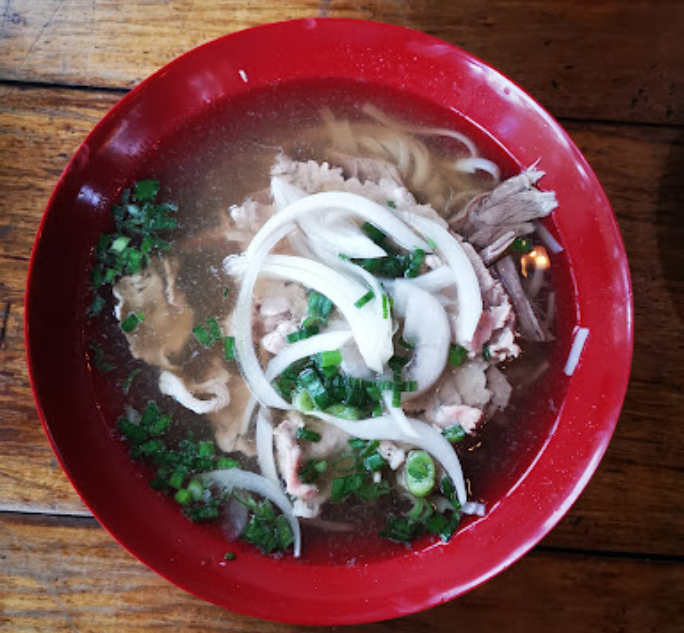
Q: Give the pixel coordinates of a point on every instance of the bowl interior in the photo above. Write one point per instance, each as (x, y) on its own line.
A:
(402, 70)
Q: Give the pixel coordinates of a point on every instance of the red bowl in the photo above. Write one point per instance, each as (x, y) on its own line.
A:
(390, 61)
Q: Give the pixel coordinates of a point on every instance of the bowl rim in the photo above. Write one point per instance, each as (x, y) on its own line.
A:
(370, 610)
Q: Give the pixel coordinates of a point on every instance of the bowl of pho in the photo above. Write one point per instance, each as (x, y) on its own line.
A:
(328, 322)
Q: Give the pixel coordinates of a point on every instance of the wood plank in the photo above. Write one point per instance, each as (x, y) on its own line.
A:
(69, 575)
(633, 504)
(610, 61)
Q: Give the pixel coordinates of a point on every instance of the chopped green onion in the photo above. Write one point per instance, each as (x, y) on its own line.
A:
(408, 344)
(311, 470)
(409, 386)
(126, 385)
(214, 329)
(308, 435)
(416, 260)
(311, 381)
(397, 363)
(457, 355)
(374, 462)
(454, 433)
(203, 336)
(373, 490)
(328, 359)
(422, 510)
(229, 347)
(522, 245)
(160, 425)
(183, 497)
(344, 411)
(226, 290)
(133, 432)
(374, 233)
(97, 305)
(225, 463)
(206, 449)
(396, 395)
(365, 299)
(486, 354)
(346, 463)
(342, 487)
(98, 358)
(420, 473)
(229, 556)
(146, 190)
(431, 243)
(385, 307)
(391, 204)
(302, 333)
(150, 415)
(302, 401)
(196, 490)
(120, 243)
(177, 478)
(319, 306)
(132, 321)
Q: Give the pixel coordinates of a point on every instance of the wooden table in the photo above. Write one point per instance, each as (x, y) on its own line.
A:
(612, 74)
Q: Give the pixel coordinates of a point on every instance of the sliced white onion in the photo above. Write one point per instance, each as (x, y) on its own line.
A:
(337, 234)
(307, 347)
(244, 342)
(382, 217)
(581, 336)
(427, 324)
(398, 415)
(172, 385)
(384, 338)
(236, 478)
(435, 280)
(385, 428)
(473, 507)
(476, 163)
(467, 287)
(248, 414)
(549, 240)
(370, 329)
(264, 447)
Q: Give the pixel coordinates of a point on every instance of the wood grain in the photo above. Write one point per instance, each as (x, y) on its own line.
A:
(69, 575)
(633, 504)
(603, 60)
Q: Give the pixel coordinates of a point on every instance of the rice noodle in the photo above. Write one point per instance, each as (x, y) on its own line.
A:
(244, 480)
(376, 114)
(476, 163)
(580, 339)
